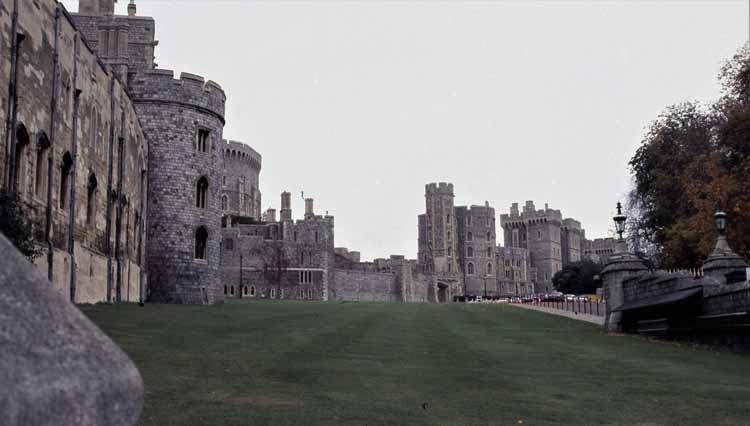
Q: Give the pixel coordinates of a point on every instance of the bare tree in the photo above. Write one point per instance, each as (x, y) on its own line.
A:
(275, 262)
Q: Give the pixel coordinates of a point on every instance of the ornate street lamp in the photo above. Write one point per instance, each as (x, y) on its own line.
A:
(620, 220)
(721, 221)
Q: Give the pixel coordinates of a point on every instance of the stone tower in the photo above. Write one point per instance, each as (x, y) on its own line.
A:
(183, 120)
(476, 248)
(241, 179)
(538, 231)
(438, 242)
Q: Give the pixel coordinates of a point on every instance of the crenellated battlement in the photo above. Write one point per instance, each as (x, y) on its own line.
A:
(241, 152)
(190, 90)
(439, 188)
(530, 215)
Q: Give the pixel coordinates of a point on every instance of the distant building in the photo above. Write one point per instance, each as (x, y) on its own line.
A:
(278, 259)
(599, 250)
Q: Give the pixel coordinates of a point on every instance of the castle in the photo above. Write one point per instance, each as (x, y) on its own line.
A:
(134, 194)
(121, 167)
(458, 245)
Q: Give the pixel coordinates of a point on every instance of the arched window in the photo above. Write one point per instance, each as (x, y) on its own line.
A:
(91, 200)
(489, 236)
(489, 252)
(470, 251)
(225, 290)
(244, 290)
(22, 142)
(273, 293)
(469, 236)
(224, 202)
(42, 151)
(201, 238)
(470, 268)
(489, 268)
(252, 290)
(201, 192)
(65, 167)
(231, 290)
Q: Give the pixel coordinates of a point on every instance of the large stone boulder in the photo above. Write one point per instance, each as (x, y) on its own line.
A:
(56, 367)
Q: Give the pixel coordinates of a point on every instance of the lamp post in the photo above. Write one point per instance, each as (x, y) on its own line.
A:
(620, 221)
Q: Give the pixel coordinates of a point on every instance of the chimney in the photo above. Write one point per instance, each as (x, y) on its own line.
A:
(514, 210)
(96, 7)
(286, 206)
(131, 8)
(309, 209)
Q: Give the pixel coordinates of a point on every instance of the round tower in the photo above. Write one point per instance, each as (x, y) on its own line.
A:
(183, 121)
(241, 180)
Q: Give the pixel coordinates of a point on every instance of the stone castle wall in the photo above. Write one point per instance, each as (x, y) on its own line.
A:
(364, 286)
(173, 113)
(106, 199)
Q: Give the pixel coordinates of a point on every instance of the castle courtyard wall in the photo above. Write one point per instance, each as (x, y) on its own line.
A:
(106, 115)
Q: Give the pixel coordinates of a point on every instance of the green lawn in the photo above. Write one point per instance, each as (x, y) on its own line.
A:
(308, 363)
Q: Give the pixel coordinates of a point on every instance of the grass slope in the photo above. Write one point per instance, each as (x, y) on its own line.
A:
(307, 363)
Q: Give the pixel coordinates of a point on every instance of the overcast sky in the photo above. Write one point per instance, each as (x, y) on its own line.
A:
(360, 103)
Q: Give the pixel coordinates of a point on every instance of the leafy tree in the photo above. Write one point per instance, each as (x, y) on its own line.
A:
(693, 160)
(577, 277)
(15, 226)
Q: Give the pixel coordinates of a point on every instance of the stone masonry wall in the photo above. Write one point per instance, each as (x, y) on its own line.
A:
(103, 103)
(361, 286)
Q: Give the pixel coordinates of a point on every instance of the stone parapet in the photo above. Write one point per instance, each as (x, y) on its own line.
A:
(190, 90)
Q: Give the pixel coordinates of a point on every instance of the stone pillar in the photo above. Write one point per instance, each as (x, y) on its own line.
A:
(619, 266)
(723, 261)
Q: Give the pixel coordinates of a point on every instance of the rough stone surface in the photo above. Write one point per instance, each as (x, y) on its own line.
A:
(100, 92)
(56, 366)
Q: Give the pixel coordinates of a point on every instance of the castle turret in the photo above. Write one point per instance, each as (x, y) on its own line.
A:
(271, 215)
(183, 120)
(240, 194)
(438, 244)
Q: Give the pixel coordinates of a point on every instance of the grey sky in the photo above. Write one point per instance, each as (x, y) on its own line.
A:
(360, 103)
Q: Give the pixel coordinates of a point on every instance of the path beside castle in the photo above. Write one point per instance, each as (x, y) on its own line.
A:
(568, 314)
